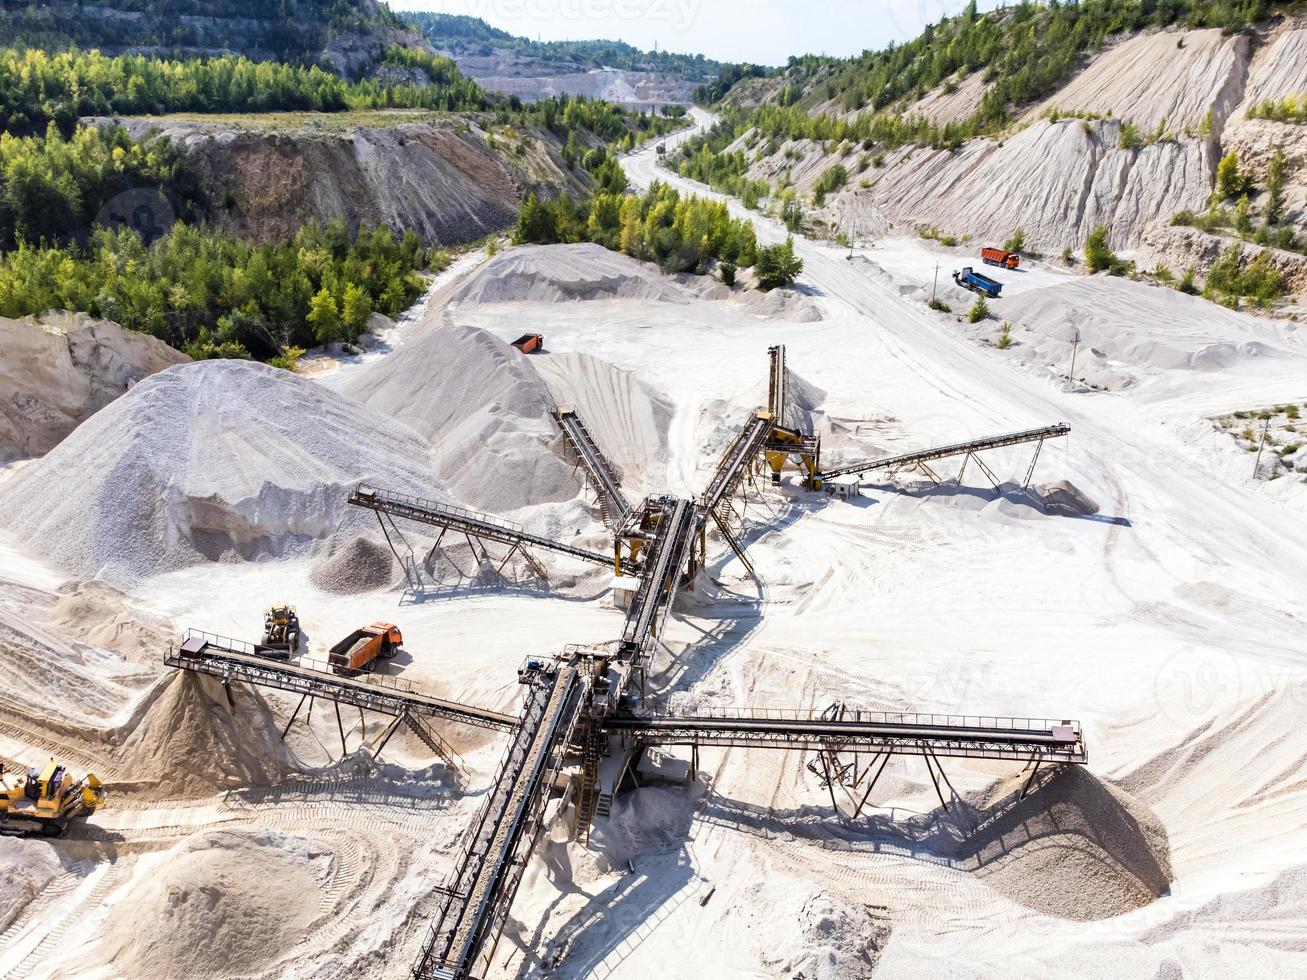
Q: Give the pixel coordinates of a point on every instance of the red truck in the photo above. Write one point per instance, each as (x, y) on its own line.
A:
(998, 256)
(362, 647)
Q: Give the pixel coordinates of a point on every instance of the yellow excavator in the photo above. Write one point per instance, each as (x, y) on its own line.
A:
(44, 799)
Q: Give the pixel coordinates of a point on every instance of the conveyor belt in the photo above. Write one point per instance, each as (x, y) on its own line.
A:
(661, 573)
(942, 452)
(233, 660)
(481, 890)
(439, 514)
(596, 465)
(735, 460)
(776, 386)
(902, 734)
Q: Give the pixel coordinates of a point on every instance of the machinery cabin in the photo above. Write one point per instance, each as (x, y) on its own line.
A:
(43, 800)
(281, 631)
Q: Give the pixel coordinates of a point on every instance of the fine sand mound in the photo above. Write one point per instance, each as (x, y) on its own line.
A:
(51, 380)
(217, 460)
(485, 410)
(628, 419)
(1129, 330)
(362, 565)
(26, 867)
(223, 902)
(208, 744)
(1076, 847)
(1066, 499)
(95, 612)
(566, 273)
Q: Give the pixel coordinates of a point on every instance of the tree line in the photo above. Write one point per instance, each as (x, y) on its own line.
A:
(681, 233)
(213, 295)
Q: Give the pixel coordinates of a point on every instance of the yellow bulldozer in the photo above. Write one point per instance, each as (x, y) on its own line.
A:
(44, 799)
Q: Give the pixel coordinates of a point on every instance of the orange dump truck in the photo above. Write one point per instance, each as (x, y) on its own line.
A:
(998, 256)
(529, 343)
(358, 650)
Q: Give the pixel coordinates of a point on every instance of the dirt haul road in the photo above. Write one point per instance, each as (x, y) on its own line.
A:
(1186, 638)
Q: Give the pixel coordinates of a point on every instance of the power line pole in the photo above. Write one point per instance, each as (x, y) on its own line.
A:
(1257, 463)
(1071, 374)
(935, 285)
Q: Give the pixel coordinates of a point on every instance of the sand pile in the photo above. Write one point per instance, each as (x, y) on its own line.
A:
(362, 565)
(26, 867)
(218, 460)
(567, 273)
(1066, 499)
(1129, 330)
(190, 741)
(803, 401)
(781, 304)
(42, 673)
(95, 612)
(836, 940)
(628, 418)
(485, 410)
(1077, 847)
(51, 379)
(223, 901)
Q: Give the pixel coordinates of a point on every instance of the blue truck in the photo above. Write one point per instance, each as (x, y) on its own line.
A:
(978, 283)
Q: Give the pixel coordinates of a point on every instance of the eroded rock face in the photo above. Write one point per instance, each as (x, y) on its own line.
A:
(439, 177)
(54, 377)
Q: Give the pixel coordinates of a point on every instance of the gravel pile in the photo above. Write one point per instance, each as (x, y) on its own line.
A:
(363, 565)
(217, 460)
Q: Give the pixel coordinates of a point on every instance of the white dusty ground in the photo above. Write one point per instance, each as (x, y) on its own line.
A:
(1171, 623)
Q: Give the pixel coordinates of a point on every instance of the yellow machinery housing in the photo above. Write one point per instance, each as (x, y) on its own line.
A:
(44, 799)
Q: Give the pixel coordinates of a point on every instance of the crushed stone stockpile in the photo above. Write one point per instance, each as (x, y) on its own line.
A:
(231, 901)
(1077, 847)
(1129, 330)
(362, 565)
(26, 868)
(187, 740)
(564, 273)
(628, 418)
(52, 379)
(217, 460)
(486, 412)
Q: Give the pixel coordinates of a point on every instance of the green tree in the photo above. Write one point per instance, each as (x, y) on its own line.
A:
(1231, 182)
(324, 317)
(1098, 254)
(356, 308)
(979, 310)
(1017, 242)
(777, 265)
(1274, 211)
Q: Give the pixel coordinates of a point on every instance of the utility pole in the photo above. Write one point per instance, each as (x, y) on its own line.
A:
(851, 242)
(934, 285)
(1257, 463)
(1071, 374)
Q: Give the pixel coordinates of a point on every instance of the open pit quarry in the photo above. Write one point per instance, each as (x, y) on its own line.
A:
(1132, 583)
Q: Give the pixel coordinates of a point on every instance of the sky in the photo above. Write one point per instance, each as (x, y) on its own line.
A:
(761, 31)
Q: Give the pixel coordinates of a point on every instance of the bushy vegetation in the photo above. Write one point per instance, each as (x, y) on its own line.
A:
(831, 180)
(1017, 242)
(51, 188)
(1290, 109)
(979, 310)
(1241, 220)
(705, 158)
(680, 233)
(1098, 253)
(1232, 278)
(213, 295)
(778, 265)
(727, 78)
